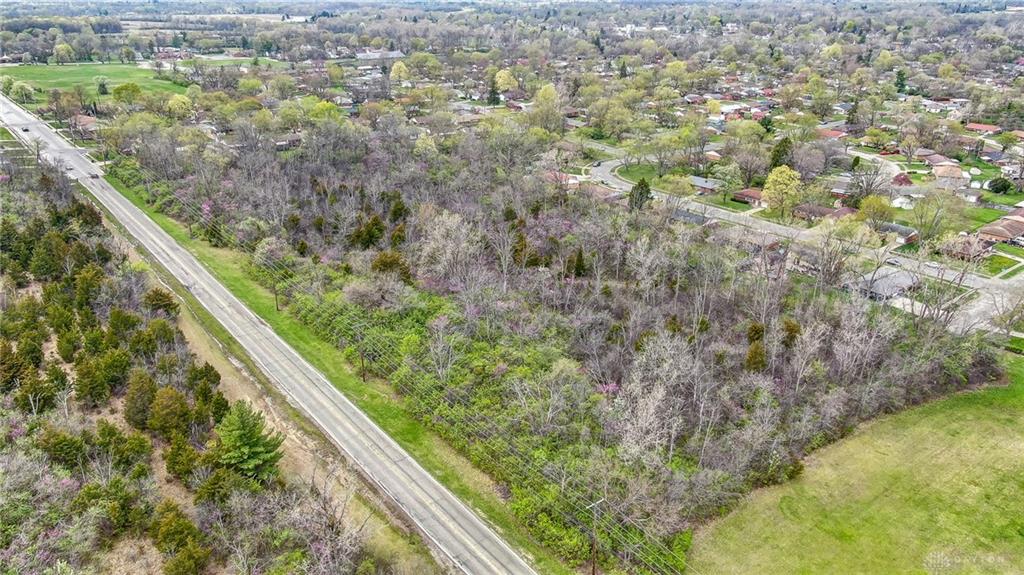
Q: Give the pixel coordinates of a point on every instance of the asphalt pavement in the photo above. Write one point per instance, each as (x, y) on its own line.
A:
(447, 524)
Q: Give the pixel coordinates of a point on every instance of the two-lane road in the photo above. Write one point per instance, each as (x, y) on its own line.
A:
(449, 525)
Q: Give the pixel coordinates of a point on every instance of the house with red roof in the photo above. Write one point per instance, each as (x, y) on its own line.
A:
(984, 129)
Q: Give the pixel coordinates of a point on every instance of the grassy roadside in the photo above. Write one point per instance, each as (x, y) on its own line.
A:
(375, 398)
(387, 542)
(935, 489)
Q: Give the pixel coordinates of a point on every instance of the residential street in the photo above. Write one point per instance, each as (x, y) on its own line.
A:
(992, 292)
(443, 519)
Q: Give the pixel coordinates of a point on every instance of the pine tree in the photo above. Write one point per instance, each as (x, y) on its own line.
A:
(781, 153)
(139, 398)
(158, 299)
(639, 195)
(180, 457)
(245, 446)
(170, 413)
(493, 99)
(579, 263)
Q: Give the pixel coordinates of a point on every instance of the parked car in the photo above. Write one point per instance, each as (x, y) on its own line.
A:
(933, 265)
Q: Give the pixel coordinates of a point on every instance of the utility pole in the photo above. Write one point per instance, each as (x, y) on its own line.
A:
(593, 535)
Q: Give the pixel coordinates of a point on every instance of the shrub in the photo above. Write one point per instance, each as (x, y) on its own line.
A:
(158, 299)
(756, 357)
(180, 458)
(189, 560)
(62, 448)
(139, 398)
(169, 413)
(172, 529)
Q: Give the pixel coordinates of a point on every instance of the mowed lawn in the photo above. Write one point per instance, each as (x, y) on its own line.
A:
(936, 489)
(48, 77)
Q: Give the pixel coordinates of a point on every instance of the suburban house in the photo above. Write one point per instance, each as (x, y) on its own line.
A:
(812, 212)
(1006, 229)
(983, 129)
(750, 196)
(886, 283)
(937, 160)
(705, 185)
(84, 126)
(950, 177)
(379, 55)
(903, 234)
(969, 195)
(831, 134)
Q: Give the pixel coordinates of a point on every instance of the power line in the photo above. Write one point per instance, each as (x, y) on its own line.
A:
(625, 537)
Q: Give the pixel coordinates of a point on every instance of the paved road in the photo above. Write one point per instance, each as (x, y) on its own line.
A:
(993, 294)
(452, 528)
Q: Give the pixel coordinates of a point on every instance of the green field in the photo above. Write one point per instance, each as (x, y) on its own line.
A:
(67, 76)
(728, 203)
(1012, 250)
(904, 494)
(227, 61)
(988, 171)
(375, 398)
(996, 263)
(982, 216)
(1005, 199)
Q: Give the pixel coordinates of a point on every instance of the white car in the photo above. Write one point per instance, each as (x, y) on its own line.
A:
(933, 265)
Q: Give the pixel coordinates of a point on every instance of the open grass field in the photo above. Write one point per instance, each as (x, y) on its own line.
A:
(936, 489)
(228, 61)
(1009, 249)
(634, 172)
(67, 76)
(374, 397)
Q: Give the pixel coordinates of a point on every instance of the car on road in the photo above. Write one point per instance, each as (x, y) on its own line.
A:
(893, 262)
(24, 128)
(94, 176)
(933, 265)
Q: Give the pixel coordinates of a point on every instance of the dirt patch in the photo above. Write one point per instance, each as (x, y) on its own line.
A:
(131, 556)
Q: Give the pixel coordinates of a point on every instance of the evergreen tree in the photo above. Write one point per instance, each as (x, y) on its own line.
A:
(781, 153)
(48, 257)
(170, 413)
(579, 263)
(158, 299)
(639, 195)
(180, 457)
(623, 69)
(901, 81)
(493, 99)
(245, 445)
(853, 115)
(139, 398)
